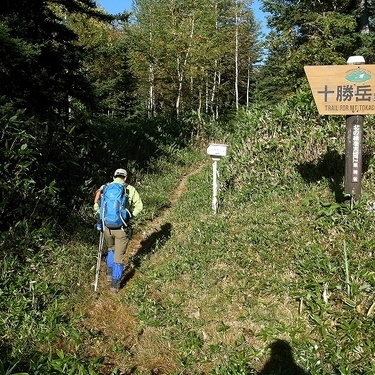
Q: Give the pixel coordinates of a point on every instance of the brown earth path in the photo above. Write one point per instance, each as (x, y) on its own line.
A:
(111, 323)
(141, 243)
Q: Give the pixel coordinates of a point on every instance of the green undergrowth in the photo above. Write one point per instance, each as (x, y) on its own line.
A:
(44, 278)
(280, 280)
(226, 287)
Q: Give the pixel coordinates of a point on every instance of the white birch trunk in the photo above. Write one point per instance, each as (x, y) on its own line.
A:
(151, 99)
(236, 63)
(180, 70)
(199, 110)
(213, 92)
(217, 99)
(248, 84)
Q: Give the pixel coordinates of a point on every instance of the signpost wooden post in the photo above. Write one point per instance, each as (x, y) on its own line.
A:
(353, 157)
(346, 90)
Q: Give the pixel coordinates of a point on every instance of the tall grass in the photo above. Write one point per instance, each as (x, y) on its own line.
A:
(263, 284)
(280, 281)
(45, 275)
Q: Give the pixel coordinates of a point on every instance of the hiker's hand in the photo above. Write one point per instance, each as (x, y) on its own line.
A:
(129, 231)
(96, 208)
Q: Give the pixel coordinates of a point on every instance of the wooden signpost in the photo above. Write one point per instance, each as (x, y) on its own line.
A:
(343, 89)
(346, 90)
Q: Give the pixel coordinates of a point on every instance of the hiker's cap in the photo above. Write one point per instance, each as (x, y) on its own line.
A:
(120, 173)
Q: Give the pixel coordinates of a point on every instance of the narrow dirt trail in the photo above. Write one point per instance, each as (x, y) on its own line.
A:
(111, 322)
(139, 241)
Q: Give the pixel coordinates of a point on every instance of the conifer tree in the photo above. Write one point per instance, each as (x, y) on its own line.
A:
(40, 64)
(315, 32)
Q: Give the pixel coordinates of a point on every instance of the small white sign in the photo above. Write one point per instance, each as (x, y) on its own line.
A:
(217, 150)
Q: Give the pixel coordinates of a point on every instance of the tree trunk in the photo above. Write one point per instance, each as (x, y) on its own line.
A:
(150, 104)
(236, 63)
(364, 26)
(213, 92)
(248, 83)
(180, 70)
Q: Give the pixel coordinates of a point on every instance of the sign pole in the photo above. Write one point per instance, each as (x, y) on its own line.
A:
(214, 185)
(216, 151)
(353, 157)
(353, 149)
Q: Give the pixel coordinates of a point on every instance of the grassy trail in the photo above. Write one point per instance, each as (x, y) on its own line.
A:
(108, 316)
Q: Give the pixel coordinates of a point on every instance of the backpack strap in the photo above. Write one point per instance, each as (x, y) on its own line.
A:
(125, 185)
(126, 190)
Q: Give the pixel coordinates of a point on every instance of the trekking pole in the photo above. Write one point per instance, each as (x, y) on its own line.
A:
(99, 258)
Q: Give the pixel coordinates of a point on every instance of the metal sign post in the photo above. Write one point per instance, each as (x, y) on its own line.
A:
(216, 151)
(214, 185)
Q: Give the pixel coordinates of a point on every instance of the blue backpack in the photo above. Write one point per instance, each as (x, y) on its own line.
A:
(113, 212)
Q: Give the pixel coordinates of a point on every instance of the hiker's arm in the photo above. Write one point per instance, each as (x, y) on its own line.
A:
(136, 203)
(97, 199)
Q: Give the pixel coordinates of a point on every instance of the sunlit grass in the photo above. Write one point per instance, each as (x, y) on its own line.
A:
(282, 262)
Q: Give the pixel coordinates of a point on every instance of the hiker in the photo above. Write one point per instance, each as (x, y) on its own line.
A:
(116, 203)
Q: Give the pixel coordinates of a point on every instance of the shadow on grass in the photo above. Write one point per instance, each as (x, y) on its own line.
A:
(331, 166)
(148, 246)
(281, 361)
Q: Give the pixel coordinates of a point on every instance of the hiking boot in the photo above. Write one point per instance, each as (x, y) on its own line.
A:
(115, 286)
(109, 274)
